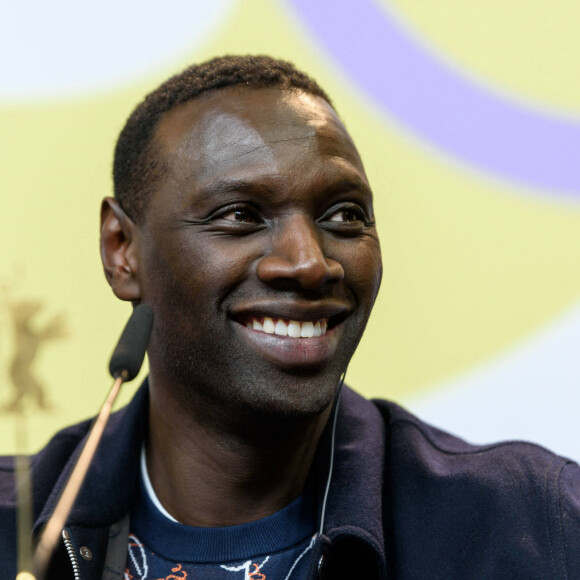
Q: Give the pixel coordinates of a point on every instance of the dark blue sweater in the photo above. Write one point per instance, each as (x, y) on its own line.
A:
(407, 501)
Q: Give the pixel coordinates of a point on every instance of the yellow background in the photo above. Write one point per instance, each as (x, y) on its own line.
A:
(473, 264)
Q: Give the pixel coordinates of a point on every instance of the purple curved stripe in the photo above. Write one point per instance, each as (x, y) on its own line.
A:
(436, 102)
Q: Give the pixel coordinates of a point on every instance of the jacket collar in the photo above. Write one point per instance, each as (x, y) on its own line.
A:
(355, 504)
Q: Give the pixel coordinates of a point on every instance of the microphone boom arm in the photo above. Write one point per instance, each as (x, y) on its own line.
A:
(53, 529)
(125, 363)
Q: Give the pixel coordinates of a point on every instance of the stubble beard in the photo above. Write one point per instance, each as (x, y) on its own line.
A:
(230, 379)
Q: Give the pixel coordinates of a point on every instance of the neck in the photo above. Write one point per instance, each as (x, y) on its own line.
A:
(217, 469)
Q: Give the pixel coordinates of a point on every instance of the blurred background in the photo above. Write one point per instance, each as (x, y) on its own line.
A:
(467, 115)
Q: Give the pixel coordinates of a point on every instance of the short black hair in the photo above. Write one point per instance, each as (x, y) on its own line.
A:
(136, 166)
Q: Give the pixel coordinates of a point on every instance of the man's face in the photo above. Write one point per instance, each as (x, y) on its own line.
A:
(258, 251)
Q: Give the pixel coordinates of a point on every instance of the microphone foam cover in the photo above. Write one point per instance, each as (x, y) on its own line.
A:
(130, 351)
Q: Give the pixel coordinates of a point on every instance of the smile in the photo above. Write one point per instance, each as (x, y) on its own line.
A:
(291, 328)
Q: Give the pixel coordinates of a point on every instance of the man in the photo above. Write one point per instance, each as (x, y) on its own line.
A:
(243, 216)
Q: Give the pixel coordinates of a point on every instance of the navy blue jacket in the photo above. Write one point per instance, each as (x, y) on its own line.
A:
(407, 501)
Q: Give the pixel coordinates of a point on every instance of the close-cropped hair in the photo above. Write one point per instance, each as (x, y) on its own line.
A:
(136, 166)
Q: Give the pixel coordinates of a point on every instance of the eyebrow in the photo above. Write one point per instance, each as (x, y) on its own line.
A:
(348, 184)
(227, 186)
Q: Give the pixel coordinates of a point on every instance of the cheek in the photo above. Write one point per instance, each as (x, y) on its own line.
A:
(363, 269)
(204, 270)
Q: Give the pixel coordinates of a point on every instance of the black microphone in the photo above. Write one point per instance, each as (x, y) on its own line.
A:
(124, 366)
(130, 352)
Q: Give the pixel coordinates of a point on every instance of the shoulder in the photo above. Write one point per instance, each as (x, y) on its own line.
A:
(411, 436)
(63, 448)
(46, 464)
(46, 467)
(513, 495)
(510, 465)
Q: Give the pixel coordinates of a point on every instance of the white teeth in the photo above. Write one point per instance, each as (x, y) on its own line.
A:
(269, 325)
(292, 328)
(281, 328)
(307, 330)
(317, 329)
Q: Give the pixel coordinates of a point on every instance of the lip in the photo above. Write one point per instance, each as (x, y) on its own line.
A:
(291, 352)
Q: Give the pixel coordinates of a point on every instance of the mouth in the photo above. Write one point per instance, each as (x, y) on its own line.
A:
(292, 336)
(285, 327)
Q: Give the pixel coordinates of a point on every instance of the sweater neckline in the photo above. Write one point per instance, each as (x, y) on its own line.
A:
(173, 540)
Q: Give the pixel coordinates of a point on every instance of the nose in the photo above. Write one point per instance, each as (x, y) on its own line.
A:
(296, 254)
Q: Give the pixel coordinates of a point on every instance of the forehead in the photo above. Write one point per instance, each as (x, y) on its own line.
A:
(240, 129)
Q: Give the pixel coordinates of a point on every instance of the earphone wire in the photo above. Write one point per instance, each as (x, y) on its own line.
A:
(332, 446)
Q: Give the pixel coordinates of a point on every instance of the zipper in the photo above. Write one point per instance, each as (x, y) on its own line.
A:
(71, 554)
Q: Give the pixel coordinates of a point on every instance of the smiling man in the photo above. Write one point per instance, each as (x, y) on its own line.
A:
(258, 253)
(243, 216)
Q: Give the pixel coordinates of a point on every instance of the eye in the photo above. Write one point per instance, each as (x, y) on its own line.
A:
(346, 219)
(237, 219)
(240, 215)
(347, 214)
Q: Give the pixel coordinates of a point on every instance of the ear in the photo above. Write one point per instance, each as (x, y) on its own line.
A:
(120, 250)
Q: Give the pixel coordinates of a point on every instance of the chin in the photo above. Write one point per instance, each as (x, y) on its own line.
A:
(297, 397)
(253, 389)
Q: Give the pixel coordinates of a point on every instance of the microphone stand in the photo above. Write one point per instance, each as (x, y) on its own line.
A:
(23, 498)
(124, 366)
(51, 534)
